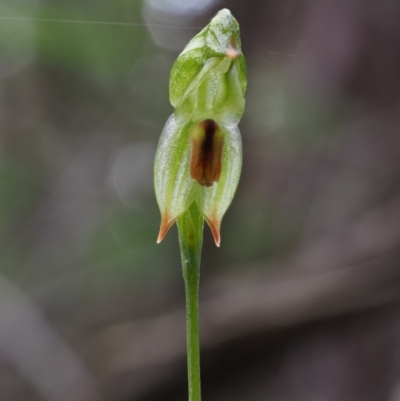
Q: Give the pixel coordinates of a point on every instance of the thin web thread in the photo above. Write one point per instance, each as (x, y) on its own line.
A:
(116, 23)
(67, 21)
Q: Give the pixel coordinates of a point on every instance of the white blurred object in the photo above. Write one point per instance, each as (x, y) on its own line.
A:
(170, 21)
(179, 7)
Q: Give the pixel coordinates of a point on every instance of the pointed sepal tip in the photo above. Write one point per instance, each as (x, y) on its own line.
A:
(215, 226)
(166, 224)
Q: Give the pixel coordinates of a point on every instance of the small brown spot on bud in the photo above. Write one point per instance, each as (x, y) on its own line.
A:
(232, 52)
(206, 154)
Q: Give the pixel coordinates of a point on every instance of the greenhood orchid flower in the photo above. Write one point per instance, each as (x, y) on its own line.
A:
(199, 154)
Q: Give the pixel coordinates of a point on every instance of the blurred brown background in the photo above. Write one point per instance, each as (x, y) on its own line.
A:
(300, 303)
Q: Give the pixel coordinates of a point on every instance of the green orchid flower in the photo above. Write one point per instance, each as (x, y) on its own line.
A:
(199, 155)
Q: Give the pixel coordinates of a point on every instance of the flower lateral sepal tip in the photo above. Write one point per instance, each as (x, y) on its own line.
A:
(215, 226)
(166, 224)
(199, 155)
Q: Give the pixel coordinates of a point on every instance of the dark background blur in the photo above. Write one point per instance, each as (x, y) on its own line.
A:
(300, 303)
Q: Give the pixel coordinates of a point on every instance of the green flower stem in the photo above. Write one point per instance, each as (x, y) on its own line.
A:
(190, 228)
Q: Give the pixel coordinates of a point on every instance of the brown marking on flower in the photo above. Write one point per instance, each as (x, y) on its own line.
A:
(166, 223)
(215, 224)
(206, 154)
(232, 52)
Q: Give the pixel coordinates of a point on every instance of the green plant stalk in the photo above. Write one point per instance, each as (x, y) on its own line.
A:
(190, 228)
